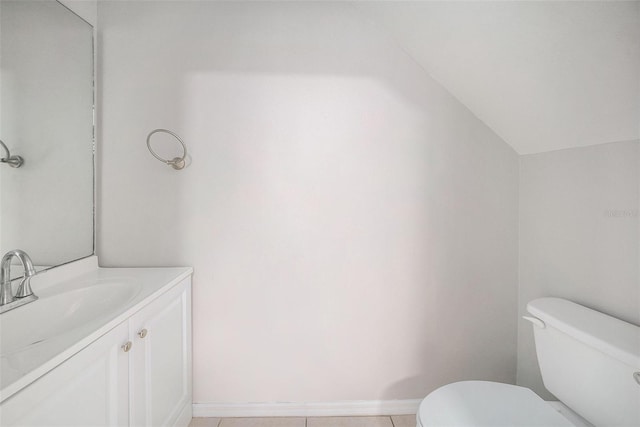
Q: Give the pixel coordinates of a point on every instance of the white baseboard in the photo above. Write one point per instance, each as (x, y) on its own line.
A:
(307, 409)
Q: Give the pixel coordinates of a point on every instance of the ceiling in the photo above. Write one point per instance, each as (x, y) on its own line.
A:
(543, 75)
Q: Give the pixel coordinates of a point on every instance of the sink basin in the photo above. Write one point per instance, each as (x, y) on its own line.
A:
(57, 315)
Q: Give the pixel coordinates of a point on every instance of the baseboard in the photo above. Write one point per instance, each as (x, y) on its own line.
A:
(307, 409)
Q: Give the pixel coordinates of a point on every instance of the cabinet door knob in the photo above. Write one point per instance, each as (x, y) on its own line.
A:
(142, 333)
(126, 347)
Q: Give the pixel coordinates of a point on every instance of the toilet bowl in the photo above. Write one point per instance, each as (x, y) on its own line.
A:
(589, 360)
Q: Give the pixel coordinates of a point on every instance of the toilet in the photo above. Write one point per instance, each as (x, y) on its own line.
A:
(590, 361)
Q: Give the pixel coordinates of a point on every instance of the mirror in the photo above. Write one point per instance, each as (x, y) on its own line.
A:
(46, 117)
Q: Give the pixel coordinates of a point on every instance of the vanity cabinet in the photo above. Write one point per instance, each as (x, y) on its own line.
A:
(137, 374)
(160, 361)
(89, 389)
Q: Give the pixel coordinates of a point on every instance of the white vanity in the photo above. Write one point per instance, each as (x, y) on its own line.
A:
(100, 347)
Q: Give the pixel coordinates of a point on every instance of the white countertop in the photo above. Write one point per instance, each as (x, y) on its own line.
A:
(38, 336)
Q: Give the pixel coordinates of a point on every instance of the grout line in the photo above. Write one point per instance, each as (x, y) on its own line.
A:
(306, 419)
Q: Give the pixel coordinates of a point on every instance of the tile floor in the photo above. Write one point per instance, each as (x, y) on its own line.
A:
(393, 421)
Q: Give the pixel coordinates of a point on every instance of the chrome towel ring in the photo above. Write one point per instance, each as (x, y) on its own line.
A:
(13, 161)
(177, 163)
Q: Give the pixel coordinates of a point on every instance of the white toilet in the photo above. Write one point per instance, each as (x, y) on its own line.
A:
(588, 360)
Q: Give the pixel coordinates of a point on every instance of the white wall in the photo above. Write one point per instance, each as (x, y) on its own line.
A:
(579, 229)
(352, 226)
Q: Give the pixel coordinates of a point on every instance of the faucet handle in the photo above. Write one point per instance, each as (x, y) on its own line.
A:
(24, 294)
(24, 290)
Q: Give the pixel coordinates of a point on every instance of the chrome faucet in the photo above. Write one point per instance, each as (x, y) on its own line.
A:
(24, 293)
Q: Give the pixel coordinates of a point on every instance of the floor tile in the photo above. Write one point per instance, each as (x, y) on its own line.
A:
(263, 422)
(404, 420)
(349, 422)
(204, 422)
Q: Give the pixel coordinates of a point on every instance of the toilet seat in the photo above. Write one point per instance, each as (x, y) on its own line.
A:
(485, 403)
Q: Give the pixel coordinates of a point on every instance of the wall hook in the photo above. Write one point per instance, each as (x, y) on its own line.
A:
(177, 163)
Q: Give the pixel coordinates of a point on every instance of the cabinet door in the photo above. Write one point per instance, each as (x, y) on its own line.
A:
(160, 371)
(89, 389)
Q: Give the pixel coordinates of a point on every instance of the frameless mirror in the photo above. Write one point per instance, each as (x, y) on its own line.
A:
(46, 117)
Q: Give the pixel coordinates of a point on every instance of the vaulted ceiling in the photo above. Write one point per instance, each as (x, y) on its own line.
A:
(544, 75)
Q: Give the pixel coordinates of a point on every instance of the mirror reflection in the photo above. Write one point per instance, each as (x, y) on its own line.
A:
(46, 118)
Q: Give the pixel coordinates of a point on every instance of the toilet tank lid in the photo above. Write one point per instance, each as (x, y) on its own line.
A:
(612, 336)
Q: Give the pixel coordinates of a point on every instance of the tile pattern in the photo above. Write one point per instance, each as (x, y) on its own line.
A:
(349, 422)
(393, 421)
(204, 422)
(263, 422)
(404, 420)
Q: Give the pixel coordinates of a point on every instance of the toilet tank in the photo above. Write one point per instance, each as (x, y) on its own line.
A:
(590, 361)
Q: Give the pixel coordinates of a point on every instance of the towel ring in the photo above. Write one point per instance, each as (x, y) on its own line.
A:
(13, 161)
(177, 163)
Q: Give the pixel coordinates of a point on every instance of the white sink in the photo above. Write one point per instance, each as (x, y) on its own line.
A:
(77, 304)
(59, 314)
